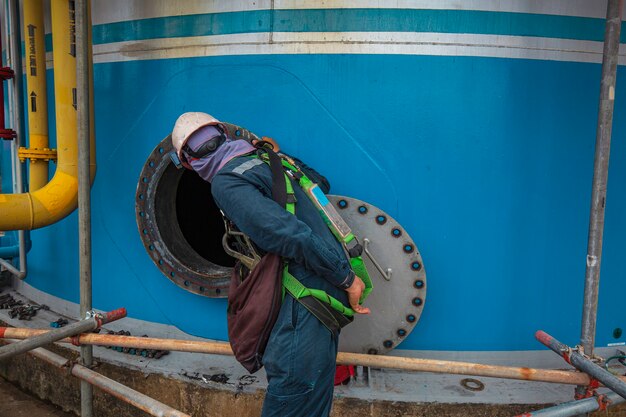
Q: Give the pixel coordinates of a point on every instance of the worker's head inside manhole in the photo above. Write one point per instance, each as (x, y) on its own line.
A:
(180, 225)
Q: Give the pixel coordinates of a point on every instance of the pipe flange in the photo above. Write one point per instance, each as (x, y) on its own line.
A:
(167, 203)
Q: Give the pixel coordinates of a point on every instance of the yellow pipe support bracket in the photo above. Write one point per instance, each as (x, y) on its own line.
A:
(57, 198)
(35, 155)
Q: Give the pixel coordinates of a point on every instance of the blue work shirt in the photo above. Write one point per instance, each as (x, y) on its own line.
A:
(242, 189)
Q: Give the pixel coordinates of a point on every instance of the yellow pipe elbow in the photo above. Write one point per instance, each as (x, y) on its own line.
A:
(29, 211)
(57, 198)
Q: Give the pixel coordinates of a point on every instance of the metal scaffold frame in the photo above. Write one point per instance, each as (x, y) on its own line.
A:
(590, 377)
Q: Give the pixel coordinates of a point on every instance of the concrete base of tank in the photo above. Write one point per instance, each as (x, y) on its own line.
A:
(57, 386)
(202, 399)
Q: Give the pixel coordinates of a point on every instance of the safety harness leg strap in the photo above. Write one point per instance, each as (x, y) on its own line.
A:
(298, 291)
(329, 317)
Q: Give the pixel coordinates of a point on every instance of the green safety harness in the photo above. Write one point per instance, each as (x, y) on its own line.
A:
(315, 300)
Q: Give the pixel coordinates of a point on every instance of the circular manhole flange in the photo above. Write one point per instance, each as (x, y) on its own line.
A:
(180, 226)
(398, 297)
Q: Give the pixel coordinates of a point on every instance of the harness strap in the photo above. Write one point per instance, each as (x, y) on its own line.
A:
(358, 266)
(333, 320)
(290, 205)
(352, 246)
(299, 291)
(282, 188)
(279, 182)
(283, 194)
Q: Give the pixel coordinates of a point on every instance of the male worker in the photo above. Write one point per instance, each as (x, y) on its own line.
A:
(300, 356)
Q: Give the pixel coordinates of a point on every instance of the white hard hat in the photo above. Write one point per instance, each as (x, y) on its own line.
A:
(188, 123)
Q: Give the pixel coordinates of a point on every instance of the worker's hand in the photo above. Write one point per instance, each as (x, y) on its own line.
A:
(354, 295)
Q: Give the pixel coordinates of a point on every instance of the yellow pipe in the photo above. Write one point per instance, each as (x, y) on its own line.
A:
(58, 198)
(36, 90)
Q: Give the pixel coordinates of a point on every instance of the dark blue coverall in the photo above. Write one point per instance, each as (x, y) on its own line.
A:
(300, 356)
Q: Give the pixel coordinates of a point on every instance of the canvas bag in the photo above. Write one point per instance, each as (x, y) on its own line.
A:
(254, 299)
(253, 306)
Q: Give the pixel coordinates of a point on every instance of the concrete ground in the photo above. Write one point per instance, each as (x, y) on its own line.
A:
(186, 382)
(16, 403)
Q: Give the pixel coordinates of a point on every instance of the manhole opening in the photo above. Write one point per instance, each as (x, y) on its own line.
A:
(188, 219)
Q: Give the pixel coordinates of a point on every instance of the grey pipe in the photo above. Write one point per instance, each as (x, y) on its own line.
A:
(583, 364)
(9, 266)
(91, 323)
(575, 407)
(14, 39)
(10, 43)
(83, 326)
(126, 394)
(600, 176)
(84, 188)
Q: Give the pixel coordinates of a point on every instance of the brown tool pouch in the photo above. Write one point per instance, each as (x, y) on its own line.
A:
(254, 302)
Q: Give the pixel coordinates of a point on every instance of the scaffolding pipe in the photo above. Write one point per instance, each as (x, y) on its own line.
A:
(122, 392)
(574, 408)
(600, 173)
(583, 364)
(86, 325)
(600, 177)
(83, 70)
(343, 358)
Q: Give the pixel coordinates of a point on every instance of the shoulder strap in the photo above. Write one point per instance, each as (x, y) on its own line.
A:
(279, 184)
(282, 189)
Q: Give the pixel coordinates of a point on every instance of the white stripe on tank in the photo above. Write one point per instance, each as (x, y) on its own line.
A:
(391, 43)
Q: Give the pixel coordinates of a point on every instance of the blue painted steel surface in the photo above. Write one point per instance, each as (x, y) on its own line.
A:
(9, 245)
(6, 183)
(486, 162)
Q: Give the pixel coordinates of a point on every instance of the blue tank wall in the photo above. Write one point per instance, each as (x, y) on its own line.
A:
(493, 183)
(487, 162)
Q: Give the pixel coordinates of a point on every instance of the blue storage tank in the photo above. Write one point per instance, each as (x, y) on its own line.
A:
(471, 123)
